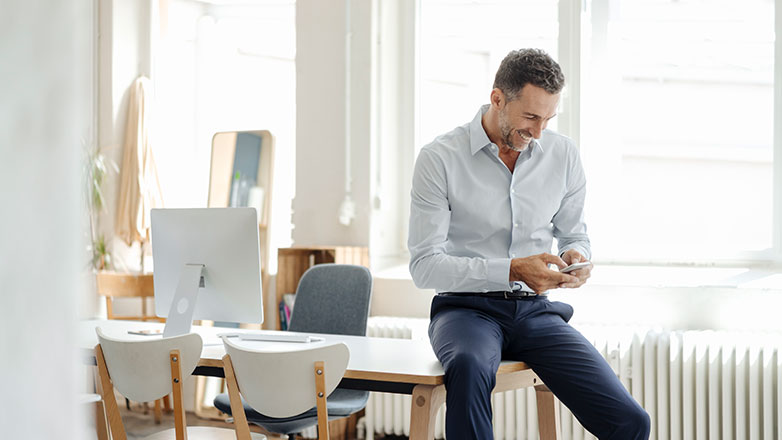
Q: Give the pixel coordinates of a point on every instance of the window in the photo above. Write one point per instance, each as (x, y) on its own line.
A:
(678, 124)
(671, 103)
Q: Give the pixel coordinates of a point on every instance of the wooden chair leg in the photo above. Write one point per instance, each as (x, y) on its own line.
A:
(548, 416)
(180, 422)
(109, 309)
(101, 426)
(101, 423)
(320, 390)
(352, 431)
(167, 403)
(107, 391)
(338, 429)
(158, 412)
(237, 409)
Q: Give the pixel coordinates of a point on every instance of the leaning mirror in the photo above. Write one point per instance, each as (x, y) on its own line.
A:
(241, 175)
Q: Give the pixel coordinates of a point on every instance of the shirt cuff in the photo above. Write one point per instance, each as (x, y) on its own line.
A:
(499, 274)
(581, 250)
(520, 285)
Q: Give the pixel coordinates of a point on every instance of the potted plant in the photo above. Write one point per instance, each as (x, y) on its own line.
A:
(96, 170)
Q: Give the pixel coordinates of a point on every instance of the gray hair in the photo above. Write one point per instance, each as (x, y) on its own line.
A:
(528, 66)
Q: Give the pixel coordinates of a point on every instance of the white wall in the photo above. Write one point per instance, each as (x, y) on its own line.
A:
(45, 113)
(383, 106)
(124, 56)
(320, 122)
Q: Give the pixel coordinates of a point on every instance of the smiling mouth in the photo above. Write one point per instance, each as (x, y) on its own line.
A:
(525, 136)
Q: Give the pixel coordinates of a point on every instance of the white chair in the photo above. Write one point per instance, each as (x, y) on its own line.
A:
(286, 388)
(146, 370)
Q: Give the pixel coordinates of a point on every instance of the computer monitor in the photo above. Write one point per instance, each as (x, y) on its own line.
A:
(207, 266)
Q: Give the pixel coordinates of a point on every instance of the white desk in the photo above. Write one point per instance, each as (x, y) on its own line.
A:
(401, 366)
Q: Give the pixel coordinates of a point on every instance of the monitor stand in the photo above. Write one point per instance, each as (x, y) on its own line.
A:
(180, 315)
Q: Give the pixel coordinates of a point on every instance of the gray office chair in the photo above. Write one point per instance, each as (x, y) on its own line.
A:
(330, 298)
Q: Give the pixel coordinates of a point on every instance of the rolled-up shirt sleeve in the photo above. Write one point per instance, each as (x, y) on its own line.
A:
(431, 266)
(569, 225)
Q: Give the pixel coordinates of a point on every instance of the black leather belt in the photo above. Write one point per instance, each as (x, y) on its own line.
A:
(516, 294)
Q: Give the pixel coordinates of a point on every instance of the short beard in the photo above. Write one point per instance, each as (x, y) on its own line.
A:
(508, 140)
(507, 135)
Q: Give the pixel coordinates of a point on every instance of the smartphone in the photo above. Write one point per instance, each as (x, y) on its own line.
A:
(575, 266)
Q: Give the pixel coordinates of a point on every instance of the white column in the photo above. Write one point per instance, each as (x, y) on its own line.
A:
(46, 112)
(320, 122)
(395, 111)
(777, 192)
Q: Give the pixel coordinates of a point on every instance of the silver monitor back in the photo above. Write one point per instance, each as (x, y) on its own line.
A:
(225, 242)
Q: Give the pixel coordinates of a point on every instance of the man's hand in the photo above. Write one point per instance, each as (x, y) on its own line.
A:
(572, 256)
(534, 272)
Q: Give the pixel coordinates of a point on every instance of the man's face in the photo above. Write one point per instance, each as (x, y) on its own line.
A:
(526, 116)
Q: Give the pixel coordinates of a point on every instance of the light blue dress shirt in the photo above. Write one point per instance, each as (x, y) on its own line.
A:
(469, 215)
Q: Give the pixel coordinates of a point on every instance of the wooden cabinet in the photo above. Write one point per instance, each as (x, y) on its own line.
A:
(293, 262)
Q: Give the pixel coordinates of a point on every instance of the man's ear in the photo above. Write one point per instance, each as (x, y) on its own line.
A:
(497, 99)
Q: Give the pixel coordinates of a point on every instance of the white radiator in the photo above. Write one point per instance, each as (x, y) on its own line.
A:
(695, 385)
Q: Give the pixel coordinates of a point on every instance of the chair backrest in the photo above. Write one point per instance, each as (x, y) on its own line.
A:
(141, 369)
(123, 285)
(333, 298)
(282, 383)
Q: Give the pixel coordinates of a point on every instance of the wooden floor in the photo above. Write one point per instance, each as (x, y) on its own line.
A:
(139, 425)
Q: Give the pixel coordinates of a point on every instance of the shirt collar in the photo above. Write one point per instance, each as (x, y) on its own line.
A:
(478, 137)
(535, 145)
(480, 140)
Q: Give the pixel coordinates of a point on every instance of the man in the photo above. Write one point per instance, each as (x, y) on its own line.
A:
(487, 200)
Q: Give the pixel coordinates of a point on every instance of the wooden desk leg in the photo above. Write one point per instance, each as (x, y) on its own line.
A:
(548, 416)
(427, 400)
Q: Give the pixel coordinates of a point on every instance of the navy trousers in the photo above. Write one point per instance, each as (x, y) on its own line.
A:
(471, 334)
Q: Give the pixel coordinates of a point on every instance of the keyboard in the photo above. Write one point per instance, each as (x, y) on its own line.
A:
(278, 337)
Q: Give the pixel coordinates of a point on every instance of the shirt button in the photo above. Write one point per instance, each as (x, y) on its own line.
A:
(513, 255)
(513, 191)
(515, 225)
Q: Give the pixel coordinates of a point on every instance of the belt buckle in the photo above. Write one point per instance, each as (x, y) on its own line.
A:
(505, 294)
